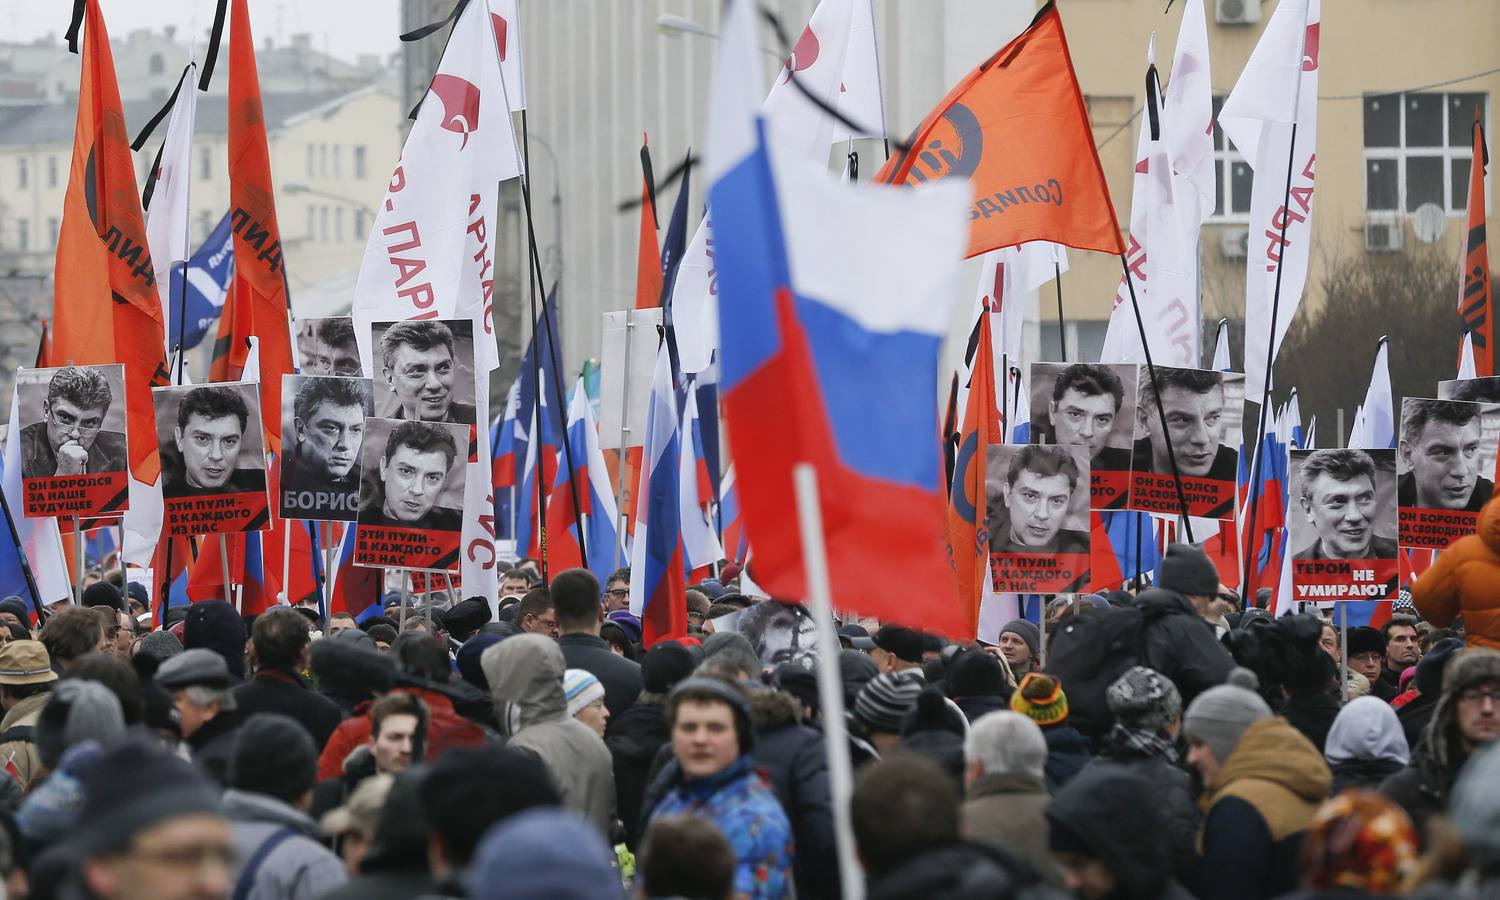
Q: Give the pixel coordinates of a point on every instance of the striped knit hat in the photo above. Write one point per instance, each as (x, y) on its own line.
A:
(882, 704)
(1041, 699)
(580, 688)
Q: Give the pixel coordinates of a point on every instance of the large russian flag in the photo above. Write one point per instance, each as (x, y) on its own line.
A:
(836, 298)
(657, 582)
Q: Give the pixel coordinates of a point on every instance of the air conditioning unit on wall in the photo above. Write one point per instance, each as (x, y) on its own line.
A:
(1383, 234)
(1236, 12)
(1234, 243)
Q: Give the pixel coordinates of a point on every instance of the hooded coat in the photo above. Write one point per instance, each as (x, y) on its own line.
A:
(298, 867)
(1365, 745)
(1180, 645)
(1105, 810)
(525, 675)
(1461, 582)
(1010, 808)
(791, 756)
(1258, 808)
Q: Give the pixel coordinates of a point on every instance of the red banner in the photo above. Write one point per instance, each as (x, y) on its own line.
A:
(406, 548)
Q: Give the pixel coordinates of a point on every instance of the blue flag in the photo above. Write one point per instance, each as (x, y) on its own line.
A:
(205, 277)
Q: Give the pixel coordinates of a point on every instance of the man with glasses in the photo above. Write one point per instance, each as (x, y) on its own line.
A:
(536, 614)
(1466, 719)
(70, 439)
(617, 591)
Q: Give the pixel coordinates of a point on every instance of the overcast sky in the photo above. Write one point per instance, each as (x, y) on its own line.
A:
(344, 28)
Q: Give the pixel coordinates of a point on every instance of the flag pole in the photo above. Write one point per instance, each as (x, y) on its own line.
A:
(1257, 463)
(830, 683)
(1062, 333)
(78, 561)
(229, 594)
(622, 513)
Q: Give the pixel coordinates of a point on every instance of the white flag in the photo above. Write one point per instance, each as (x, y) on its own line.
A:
(1466, 357)
(432, 249)
(700, 543)
(1221, 348)
(505, 15)
(1162, 255)
(39, 538)
(834, 60)
(1377, 421)
(168, 224)
(1007, 279)
(1187, 129)
(1275, 99)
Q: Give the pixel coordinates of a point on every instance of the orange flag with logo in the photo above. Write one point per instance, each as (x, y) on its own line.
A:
(1017, 128)
(968, 536)
(258, 293)
(105, 305)
(1476, 292)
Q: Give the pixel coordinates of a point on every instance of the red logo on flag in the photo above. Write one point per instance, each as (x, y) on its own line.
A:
(1310, 49)
(500, 29)
(460, 105)
(803, 55)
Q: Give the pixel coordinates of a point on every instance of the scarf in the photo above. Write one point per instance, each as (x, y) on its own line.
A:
(1135, 742)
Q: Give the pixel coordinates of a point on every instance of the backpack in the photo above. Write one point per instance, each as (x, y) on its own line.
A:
(1088, 653)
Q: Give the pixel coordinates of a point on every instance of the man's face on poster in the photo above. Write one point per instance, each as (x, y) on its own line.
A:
(1037, 505)
(1082, 420)
(1343, 512)
(209, 449)
(321, 358)
(329, 439)
(422, 380)
(1444, 462)
(412, 479)
(67, 422)
(1195, 428)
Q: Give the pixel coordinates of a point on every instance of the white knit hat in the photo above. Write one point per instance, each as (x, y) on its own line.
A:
(580, 688)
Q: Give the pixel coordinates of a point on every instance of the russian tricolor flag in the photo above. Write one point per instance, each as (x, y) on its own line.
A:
(836, 298)
(658, 576)
(596, 502)
(356, 589)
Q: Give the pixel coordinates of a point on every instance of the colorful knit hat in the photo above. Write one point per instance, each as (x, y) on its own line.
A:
(581, 688)
(1359, 840)
(1041, 699)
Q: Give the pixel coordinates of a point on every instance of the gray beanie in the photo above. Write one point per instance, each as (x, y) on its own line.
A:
(1220, 715)
(79, 710)
(1144, 700)
(720, 641)
(882, 704)
(1026, 631)
(1186, 569)
(161, 644)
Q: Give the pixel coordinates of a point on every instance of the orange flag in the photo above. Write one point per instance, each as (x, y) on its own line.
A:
(105, 306)
(259, 288)
(1017, 128)
(648, 279)
(968, 535)
(1476, 291)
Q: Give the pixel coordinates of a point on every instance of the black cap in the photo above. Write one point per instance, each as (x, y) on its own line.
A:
(466, 618)
(664, 665)
(274, 755)
(905, 643)
(1365, 639)
(135, 786)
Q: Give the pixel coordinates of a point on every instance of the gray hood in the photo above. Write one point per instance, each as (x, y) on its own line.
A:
(1366, 729)
(525, 674)
(1476, 807)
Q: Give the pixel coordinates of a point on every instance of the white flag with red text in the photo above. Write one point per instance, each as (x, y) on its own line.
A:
(431, 252)
(1272, 108)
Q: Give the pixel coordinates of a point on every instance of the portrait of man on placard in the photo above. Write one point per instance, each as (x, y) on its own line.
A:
(1089, 405)
(1194, 402)
(1039, 508)
(323, 427)
(75, 419)
(327, 347)
(409, 475)
(215, 444)
(1442, 456)
(425, 370)
(1342, 506)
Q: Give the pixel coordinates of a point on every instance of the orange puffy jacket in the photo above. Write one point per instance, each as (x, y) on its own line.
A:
(1465, 581)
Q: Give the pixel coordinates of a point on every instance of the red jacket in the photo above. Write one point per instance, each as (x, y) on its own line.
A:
(445, 729)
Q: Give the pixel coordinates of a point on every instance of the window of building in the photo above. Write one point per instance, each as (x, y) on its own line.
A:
(359, 161)
(1418, 149)
(23, 234)
(205, 163)
(312, 222)
(205, 225)
(1232, 174)
(52, 231)
(52, 171)
(338, 224)
(158, 64)
(338, 160)
(23, 173)
(311, 151)
(323, 160)
(323, 223)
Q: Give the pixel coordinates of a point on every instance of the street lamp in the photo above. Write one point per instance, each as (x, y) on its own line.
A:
(296, 188)
(675, 26)
(556, 202)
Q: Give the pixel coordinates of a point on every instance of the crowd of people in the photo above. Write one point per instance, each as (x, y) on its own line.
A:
(1175, 744)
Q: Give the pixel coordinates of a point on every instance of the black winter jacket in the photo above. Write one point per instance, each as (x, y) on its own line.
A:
(794, 760)
(1181, 646)
(1067, 754)
(284, 691)
(634, 740)
(621, 677)
(1175, 794)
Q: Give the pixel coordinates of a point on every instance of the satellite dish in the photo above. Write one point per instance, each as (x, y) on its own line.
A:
(1428, 222)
